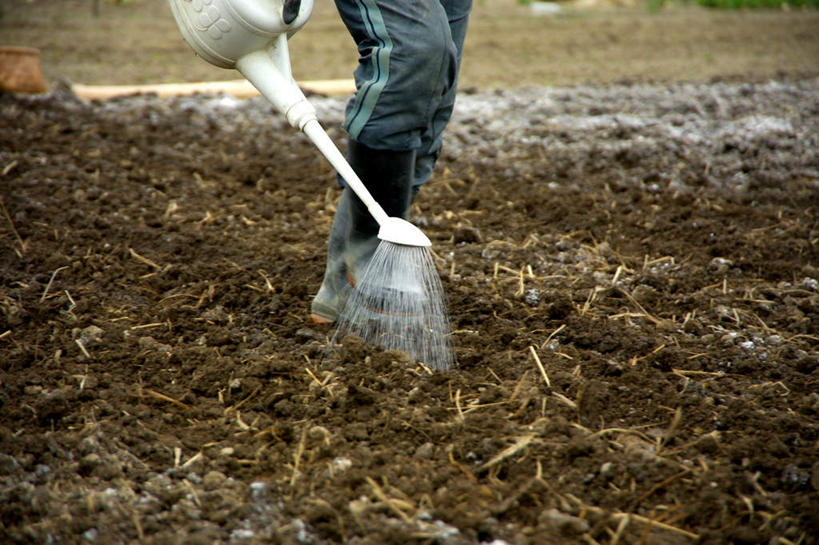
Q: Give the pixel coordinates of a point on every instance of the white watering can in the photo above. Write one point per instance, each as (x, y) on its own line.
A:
(251, 36)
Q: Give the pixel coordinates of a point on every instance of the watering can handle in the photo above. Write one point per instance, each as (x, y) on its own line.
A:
(269, 71)
(290, 10)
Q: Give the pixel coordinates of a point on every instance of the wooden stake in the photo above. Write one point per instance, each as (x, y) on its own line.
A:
(236, 88)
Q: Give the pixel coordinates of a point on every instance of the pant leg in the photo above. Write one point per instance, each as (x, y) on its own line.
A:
(431, 141)
(406, 79)
(407, 61)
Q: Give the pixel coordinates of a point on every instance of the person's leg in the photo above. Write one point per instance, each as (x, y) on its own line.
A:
(354, 235)
(334, 285)
(388, 175)
(431, 140)
(407, 62)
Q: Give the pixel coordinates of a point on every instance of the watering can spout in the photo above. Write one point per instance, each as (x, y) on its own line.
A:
(269, 72)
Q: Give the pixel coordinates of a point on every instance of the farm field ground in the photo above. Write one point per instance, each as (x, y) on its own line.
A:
(629, 255)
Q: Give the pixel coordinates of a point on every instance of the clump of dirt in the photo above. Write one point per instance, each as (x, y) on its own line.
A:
(632, 278)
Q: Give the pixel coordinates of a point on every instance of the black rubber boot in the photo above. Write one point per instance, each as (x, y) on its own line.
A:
(388, 175)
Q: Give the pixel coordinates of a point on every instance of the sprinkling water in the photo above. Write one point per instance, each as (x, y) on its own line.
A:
(399, 304)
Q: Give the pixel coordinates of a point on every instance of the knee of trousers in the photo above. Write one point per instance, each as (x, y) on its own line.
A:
(426, 68)
(420, 75)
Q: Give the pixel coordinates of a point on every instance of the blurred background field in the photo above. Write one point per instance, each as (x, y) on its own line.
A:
(511, 43)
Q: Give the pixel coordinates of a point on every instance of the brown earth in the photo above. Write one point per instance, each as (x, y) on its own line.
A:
(653, 247)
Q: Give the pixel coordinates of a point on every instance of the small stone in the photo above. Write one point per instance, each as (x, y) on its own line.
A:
(708, 445)
(33, 389)
(728, 339)
(793, 476)
(645, 295)
(8, 464)
(227, 451)
(304, 334)
(810, 284)
(146, 342)
(467, 234)
(88, 445)
(42, 472)
(424, 452)
(415, 395)
(89, 462)
(242, 534)
(720, 265)
(775, 340)
(216, 314)
(532, 297)
(807, 363)
(341, 464)
(442, 532)
(91, 335)
(213, 480)
(563, 523)
(495, 249)
(579, 447)
(358, 432)
(90, 535)
(300, 531)
(614, 368)
(258, 491)
(319, 434)
(109, 469)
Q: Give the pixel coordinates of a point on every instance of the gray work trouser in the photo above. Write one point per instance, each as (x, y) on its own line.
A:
(409, 56)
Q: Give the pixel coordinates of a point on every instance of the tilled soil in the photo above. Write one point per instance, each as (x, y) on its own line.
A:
(631, 274)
